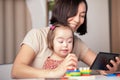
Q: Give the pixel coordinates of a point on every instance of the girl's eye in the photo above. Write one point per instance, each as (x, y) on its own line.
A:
(70, 41)
(60, 41)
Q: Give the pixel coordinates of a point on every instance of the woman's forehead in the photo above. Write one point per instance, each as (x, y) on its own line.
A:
(82, 8)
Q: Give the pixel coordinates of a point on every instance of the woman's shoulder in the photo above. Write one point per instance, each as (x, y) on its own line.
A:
(78, 40)
(80, 48)
(37, 34)
(77, 37)
(36, 37)
(39, 31)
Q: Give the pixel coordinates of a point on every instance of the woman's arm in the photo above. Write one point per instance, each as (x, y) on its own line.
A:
(22, 66)
(89, 57)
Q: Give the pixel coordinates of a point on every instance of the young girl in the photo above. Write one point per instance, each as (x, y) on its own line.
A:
(60, 42)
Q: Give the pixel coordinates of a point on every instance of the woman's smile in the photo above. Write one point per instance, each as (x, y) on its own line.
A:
(73, 26)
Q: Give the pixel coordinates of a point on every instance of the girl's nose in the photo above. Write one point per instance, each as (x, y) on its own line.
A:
(65, 44)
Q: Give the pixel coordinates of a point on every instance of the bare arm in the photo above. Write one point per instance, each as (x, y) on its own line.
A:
(89, 57)
(21, 67)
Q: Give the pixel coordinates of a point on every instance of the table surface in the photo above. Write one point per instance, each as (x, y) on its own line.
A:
(92, 77)
(95, 77)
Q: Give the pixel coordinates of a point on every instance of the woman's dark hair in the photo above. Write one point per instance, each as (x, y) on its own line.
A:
(64, 9)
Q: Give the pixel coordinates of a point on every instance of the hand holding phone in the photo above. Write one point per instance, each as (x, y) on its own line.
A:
(102, 59)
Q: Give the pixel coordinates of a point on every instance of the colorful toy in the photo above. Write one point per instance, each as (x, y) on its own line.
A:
(72, 72)
(83, 71)
(113, 75)
(118, 74)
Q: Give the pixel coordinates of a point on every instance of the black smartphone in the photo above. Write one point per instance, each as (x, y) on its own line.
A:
(102, 59)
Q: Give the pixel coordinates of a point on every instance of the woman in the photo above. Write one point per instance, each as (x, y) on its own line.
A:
(34, 48)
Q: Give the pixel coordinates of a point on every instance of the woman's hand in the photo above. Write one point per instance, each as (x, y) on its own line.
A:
(70, 61)
(113, 69)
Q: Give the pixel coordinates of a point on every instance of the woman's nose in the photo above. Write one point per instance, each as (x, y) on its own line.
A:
(76, 19)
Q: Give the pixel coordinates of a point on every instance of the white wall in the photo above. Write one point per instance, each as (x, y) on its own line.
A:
(98, 37)
(37, 9)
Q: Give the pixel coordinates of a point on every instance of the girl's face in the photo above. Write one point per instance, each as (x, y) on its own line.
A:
(76, 21)
(63, 42)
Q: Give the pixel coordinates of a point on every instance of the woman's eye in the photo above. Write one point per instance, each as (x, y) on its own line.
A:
(83, 16)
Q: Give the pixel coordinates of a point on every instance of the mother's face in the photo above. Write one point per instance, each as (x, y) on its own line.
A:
(76, 21)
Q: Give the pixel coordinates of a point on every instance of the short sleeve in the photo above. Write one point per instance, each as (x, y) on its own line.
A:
(32, 39)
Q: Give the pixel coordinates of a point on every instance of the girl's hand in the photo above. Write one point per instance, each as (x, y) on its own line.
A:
(70, 61)
(112, 69)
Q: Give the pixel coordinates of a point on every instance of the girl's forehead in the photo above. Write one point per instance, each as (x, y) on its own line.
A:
(63, 29)
(61, 32)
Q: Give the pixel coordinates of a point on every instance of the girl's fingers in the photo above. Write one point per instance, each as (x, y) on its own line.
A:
(70, 60)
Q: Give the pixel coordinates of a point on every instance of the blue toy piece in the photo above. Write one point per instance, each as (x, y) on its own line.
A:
(75, 72)
(111, 75)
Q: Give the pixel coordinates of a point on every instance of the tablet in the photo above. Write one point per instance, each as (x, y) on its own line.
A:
(102, 59)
